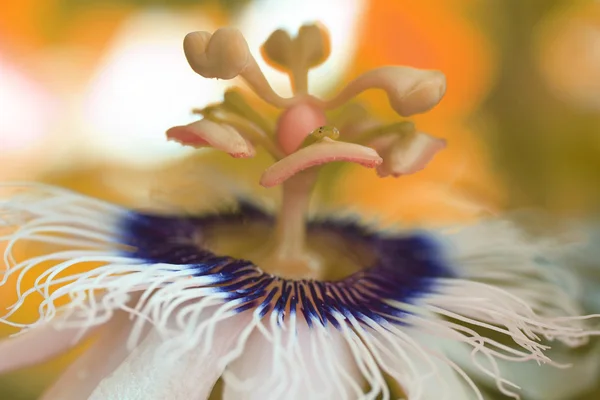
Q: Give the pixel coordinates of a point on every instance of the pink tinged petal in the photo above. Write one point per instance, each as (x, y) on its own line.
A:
(37, 345)
(99, 360)
(208, 133)
(406, 155)
(296, 123)
(144, 376)
(409, 90)
(324, 151)
(310, 363)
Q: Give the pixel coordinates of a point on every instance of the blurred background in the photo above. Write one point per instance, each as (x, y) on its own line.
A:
(88, 88)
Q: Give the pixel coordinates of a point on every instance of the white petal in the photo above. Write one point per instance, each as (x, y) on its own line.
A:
(313, 364)
(585, 260)
(144, 376)
(508, 284)
(103, 356)
(37, 345)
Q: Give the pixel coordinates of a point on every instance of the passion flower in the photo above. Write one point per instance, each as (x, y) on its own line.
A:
(279, 305)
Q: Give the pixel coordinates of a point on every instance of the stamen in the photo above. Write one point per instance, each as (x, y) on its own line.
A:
(322, 152)
(208, 133)
(222, 115)
(409, 90)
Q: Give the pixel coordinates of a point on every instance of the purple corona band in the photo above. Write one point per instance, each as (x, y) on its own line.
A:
(405, 268)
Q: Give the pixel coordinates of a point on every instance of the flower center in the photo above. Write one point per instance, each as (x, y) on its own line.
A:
(304, 137)
(325, 255)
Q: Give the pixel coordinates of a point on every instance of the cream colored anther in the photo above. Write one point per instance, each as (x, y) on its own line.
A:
(223, 55)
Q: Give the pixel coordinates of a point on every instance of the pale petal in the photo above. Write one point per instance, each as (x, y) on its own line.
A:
(315, 363)
(545, 382)
(99, 360)
(37, 345)
(585, 261)
(208, 133)
(325, 151)
(144, 376)
(526, 306)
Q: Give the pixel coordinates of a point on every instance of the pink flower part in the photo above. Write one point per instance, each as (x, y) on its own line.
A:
(324, 151)
(296, 123)
(404, 156)
(208, 133)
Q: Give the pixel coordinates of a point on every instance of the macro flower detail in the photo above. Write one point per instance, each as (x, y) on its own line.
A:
(276, 304)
